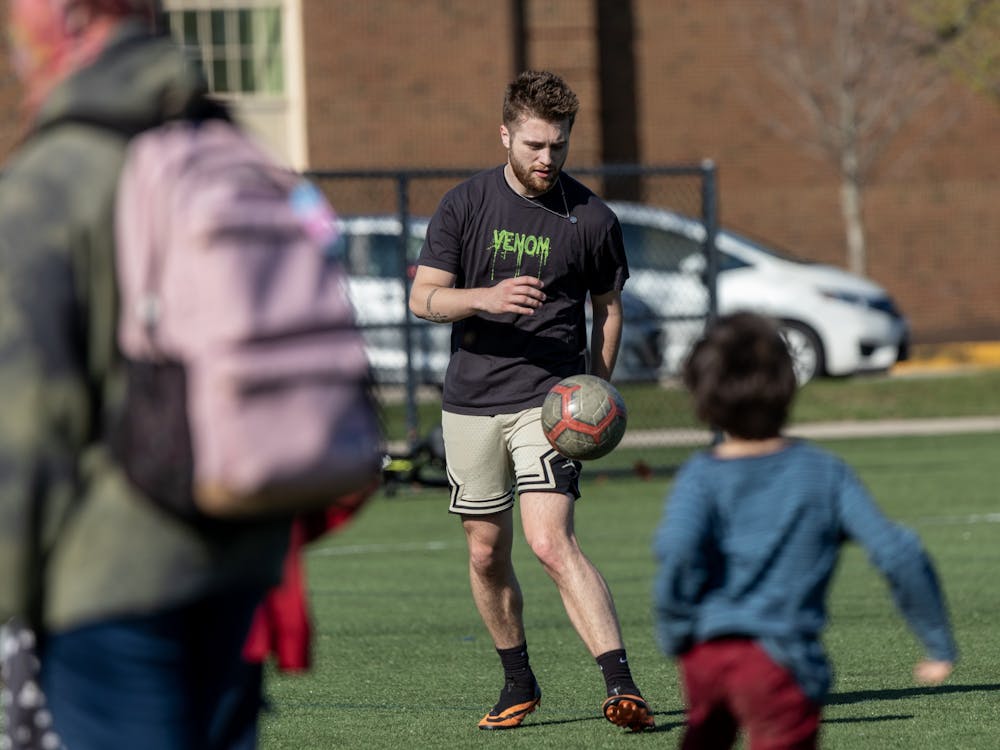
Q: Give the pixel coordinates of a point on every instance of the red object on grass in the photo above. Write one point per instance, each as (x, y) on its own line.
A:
(282, 626)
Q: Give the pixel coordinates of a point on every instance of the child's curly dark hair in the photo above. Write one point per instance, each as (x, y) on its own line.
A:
(741, 377)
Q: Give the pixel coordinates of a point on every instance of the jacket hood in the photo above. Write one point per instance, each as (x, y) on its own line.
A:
(138, 81)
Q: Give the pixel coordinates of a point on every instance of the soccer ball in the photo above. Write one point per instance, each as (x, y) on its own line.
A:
(584, 417)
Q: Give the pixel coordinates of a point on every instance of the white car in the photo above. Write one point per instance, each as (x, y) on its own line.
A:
(377, 264)
(835, 323)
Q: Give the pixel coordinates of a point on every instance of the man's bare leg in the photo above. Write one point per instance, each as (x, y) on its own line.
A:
(495, 589)
(548, 527)
(498, 598)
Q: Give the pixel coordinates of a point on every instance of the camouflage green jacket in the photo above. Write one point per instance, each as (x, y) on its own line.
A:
(77, 541)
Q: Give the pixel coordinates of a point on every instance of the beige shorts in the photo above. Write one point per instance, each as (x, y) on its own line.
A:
(491, 458)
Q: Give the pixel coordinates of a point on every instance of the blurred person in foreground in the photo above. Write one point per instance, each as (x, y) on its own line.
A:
(140, 618)
(510, 257)
(750, 539)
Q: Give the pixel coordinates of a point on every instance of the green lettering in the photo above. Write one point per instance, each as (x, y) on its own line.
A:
(543, 250)
(506, 242)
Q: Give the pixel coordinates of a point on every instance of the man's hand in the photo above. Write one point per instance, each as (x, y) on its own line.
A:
(433, 296)
(521, 295)
(932, 671)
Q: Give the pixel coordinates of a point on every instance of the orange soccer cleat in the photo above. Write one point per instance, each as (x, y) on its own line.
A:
(507, 713)
(629, 711)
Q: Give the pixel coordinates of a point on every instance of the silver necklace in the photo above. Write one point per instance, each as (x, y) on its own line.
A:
(539, 204)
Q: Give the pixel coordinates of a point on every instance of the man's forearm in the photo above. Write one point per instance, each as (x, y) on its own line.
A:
(438, 304)
(604, 344)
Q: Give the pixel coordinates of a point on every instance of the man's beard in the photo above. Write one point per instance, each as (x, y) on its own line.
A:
(534, 184)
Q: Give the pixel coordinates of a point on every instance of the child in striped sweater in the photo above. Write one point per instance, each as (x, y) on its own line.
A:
(747, 547)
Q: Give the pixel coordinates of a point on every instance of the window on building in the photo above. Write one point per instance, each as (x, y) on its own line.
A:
(240, 47)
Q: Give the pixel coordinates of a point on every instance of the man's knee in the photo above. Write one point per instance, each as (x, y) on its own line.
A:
(487, 560)
(555, 551)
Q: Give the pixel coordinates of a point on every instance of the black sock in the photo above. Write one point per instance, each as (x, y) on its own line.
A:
(519, 680)
(516, 669)
(617, 675)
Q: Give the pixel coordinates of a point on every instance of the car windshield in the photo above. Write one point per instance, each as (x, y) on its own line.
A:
(767, 249)
(654, 248)
(658, 249)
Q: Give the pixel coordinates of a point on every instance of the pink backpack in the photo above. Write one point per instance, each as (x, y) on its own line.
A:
(248, 384)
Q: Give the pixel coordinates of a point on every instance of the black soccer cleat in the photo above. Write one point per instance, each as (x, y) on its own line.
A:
(513, 706)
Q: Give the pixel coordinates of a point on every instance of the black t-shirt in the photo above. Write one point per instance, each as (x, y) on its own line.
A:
(484, 232)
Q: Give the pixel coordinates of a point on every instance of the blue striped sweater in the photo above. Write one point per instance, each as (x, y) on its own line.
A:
(748, 546)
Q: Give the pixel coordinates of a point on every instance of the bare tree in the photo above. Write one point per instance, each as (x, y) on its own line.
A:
(851, 70)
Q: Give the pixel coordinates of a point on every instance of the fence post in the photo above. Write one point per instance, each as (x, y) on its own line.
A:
(710, 217)
(403, 196)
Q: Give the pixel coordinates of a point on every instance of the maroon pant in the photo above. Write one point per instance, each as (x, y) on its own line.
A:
(732, 684)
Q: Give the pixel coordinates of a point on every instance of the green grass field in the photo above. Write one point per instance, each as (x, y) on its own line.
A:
(402, 659)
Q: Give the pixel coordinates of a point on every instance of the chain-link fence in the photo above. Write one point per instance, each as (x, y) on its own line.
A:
(668, 216)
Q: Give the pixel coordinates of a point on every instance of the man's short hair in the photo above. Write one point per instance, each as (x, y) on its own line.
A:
(741, 377)
(541, 94)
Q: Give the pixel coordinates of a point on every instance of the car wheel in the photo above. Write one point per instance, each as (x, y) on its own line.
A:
(806, 350)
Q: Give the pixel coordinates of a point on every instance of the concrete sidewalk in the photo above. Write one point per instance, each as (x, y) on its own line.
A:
(926, 359)
(827, 431)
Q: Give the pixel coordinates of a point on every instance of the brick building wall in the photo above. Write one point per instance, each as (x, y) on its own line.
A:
(419, 83)
(394, 83)
(930, 212)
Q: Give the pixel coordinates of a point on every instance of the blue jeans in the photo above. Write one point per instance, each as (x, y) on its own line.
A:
(173, 680)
